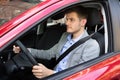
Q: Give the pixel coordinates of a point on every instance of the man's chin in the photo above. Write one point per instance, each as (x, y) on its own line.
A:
(68, 31)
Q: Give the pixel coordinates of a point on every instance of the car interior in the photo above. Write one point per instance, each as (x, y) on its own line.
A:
(47, 33)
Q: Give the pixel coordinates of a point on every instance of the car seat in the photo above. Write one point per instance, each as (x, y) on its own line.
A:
(51, 35)
(95, 20)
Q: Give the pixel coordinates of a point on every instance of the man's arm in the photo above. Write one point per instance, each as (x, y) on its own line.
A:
(44, 54)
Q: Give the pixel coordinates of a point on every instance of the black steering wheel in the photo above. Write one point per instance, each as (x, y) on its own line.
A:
(19, 63)
(26, 52)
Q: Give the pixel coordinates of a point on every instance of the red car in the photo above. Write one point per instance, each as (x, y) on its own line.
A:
(42, 26)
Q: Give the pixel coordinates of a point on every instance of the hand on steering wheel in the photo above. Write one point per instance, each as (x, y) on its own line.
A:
(26, 52)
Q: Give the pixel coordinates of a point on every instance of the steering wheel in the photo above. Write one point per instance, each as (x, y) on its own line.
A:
(19, 63)
(26, 52)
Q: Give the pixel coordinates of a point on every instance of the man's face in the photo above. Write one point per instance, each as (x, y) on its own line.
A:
(73, 22)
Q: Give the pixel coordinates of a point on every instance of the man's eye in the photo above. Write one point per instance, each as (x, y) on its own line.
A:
(66, 19)
(71, 20)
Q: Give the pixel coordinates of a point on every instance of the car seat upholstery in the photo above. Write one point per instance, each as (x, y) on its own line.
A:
(51, 36)
(94, 19)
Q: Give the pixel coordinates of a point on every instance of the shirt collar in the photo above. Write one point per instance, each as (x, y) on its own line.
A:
(69, 38)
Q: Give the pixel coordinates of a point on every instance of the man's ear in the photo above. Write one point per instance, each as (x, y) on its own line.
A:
(83, 22)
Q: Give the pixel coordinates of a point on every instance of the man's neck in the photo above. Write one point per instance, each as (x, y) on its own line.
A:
(77, 34)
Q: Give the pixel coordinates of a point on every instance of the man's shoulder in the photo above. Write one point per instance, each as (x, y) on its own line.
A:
(92, 43)
(64, 35)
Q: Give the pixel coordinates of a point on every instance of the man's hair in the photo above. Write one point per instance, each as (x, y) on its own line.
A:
(80, 10)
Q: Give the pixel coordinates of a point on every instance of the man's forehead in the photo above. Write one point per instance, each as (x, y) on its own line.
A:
(71, 15)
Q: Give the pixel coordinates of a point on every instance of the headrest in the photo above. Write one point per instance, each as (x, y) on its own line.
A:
(94, 17)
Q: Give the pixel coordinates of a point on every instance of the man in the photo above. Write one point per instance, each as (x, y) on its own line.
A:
(76, 19)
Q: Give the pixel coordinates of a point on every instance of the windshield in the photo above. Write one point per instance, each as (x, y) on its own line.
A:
(11, 8)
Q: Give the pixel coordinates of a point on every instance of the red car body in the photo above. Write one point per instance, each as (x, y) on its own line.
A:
(105, 67)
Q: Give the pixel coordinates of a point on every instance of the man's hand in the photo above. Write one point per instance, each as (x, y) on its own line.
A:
(16, 49)
(41, 71)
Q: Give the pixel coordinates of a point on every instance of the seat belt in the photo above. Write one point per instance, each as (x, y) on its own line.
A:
(73, 47)
(81, 41)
